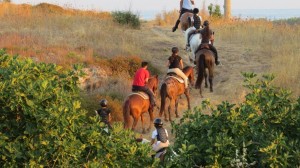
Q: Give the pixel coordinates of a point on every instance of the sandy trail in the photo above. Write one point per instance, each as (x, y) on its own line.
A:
(228, 80)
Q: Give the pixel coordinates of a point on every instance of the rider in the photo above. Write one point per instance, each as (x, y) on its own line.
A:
(175, 65)
(104, 113)
(185, 6)
(139, 82)
(160, 134)
(196, 27)
(208, 36)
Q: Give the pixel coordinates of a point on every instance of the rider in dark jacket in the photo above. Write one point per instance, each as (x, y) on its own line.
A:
(208, 36)
(160, 134)
(104, 113)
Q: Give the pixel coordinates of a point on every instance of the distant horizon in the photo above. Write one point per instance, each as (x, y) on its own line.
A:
(146, 5)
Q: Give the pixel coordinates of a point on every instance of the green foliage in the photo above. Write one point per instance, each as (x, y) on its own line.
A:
(42, 123)
(214, 10)
(263, 131)
(127, 18)
(290, 21)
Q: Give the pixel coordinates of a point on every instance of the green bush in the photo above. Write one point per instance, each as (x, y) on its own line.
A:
(127, 18)
(263, 131)
(42, 123)
(214, 10)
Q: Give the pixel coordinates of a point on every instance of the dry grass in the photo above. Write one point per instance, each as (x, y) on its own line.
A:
(278, 44)
(50, 33)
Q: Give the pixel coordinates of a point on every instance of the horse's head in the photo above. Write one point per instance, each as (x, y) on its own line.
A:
(189, 72)
(153, 83)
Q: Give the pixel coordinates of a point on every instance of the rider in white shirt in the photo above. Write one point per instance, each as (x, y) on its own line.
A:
(185, 6)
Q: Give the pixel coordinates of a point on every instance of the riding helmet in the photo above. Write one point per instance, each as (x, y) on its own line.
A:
(158, 122)
(103, 103)
(175, 49)
(206, 23)
(195, 10)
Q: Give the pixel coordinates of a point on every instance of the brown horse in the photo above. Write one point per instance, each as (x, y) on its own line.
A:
(135, 106)
(171, 88)
(184, 21)
(205, 60)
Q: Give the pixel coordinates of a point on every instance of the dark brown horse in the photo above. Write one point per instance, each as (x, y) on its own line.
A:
(172, 89)
(184, 21)
(205, 60)
(135, 106)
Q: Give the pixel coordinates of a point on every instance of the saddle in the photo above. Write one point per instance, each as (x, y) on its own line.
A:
(160, 153)
(203, 46)
(175, 76)
(144, 95)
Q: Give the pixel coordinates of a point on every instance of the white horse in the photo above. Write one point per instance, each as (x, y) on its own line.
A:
(195, 41)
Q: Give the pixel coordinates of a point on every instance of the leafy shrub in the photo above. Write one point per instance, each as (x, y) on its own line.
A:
(262, 132)
(43, 125)
(127, 18)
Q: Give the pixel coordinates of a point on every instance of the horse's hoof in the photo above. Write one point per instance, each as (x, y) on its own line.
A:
(166, 120)
(143, 132)
(206, 86)
(211, 90)
(177, 116)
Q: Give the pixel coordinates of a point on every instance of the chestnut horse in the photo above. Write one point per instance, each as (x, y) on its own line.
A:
(135, 106)
(171, 88)
(184, 21)
(205, 60)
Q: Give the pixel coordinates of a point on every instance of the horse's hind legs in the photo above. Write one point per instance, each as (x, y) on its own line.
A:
(135, 120)
(142, 120)
(176, 107)
(205, 79)
(211, 84)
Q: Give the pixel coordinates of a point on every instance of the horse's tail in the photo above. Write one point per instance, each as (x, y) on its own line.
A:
(163, 95)
(126, 113)
(201, 70)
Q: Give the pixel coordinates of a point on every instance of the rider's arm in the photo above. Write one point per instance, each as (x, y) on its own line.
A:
(152, 141)
(212, 38)
(193, 2)
(181, 2)
(168, 64)
(181, 64)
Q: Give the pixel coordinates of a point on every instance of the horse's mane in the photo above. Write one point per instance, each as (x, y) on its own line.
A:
(152, 81)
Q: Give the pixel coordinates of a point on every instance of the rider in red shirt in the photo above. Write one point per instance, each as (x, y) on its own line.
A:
(139, 82)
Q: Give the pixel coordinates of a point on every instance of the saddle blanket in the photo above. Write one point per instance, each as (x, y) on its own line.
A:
(142, 94)
(179, 79)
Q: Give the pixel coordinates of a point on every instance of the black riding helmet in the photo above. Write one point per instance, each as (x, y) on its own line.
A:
(158, 122)
(175, 49)
(195, 11)
(206, 23)
(103, 103)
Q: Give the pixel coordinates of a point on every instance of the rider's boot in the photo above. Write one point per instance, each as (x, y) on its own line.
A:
(176, 26)
(216, 59)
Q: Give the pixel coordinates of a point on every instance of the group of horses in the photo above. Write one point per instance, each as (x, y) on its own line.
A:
(171, 87)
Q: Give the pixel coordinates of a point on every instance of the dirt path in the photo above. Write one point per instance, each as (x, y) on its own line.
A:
(228, 80)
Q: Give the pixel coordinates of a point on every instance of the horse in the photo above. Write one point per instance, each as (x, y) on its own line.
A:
(205, 60)
(171, 88)
(195, 41)
(135, 105)
(184, 21)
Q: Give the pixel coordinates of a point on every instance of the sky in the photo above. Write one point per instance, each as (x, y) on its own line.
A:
(159, 5)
